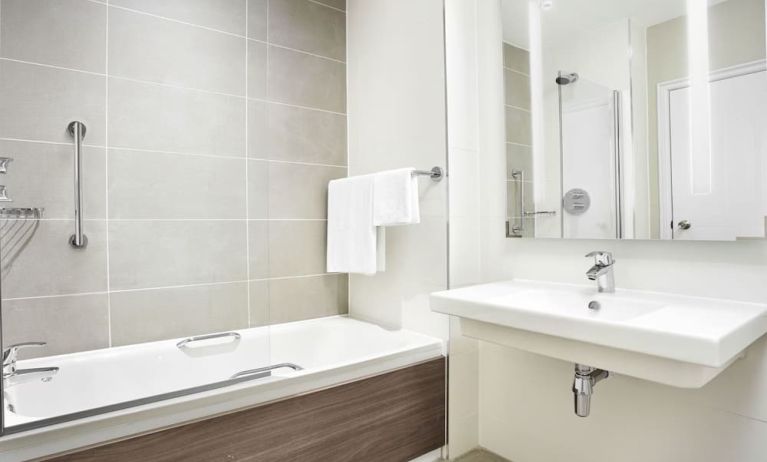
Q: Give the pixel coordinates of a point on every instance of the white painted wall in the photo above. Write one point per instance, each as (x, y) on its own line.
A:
(396, 101)
(464, 258)
(525, 407)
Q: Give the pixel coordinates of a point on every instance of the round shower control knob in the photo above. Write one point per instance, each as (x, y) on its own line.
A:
(684, 224)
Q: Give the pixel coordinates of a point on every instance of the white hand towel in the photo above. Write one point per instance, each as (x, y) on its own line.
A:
(395, 198)
(351, 232)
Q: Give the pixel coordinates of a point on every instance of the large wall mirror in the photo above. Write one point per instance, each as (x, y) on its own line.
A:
(635, 119)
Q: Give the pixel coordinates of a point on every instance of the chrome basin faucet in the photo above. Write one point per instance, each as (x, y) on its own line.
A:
(602, 271)
(14, 376)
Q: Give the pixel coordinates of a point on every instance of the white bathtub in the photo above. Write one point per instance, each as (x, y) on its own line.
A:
(330, 350)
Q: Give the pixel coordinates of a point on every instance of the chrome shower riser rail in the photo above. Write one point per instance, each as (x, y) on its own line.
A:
(77, 130)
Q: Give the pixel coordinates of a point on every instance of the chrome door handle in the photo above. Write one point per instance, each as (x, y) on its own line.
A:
(684, 224)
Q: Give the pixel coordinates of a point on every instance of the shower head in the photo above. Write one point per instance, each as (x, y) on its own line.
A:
(566, 79)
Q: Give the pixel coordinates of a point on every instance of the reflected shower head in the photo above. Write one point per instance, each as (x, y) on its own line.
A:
(566, 79)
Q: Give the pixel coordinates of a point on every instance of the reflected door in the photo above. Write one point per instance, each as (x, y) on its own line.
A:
(590, 170)
(734, 204)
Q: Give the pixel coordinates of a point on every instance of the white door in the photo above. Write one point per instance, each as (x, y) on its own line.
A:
(734, 204)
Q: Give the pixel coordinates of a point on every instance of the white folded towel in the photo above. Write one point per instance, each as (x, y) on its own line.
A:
(395, 198)
(359, 208)
(351, 233)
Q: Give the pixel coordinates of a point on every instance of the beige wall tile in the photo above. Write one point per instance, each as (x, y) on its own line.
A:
(43, 100)
(306, 298)
(339, 4)
(516, 58)
(258, 189)
(175, 186)
(154, 117)
(259, 303)
(148, 315)
(41, 175)
(258, 130)
(258, 247)
(519, 157)
(66, 324)
(168, 253)
(39, 261)
(256, 70)
(302, 135)
(517, 89)
(308, 26)
(67, 33)
(257, 19)
(300, 191)
(306, 80)
(152, 49)
(296, 248)
(224, 15)
(518, 126)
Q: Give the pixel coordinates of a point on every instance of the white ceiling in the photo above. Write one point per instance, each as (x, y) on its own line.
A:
(567, 17)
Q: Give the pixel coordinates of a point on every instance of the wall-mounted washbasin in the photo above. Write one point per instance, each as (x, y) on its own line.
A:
(673, 339)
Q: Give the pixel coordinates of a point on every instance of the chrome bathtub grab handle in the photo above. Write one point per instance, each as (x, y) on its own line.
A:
(266, 370)
(197, 338)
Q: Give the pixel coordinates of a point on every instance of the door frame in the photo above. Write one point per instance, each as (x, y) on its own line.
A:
(664, 90)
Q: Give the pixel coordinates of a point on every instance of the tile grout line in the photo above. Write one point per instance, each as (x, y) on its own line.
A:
(106, 175)
(169, 85)
(213, 29)
(267, 96)
(519, 108)
(327, 6)
(513, 143)
(515, 71)
(247, 165)
(231, 34)
(301, 51)
(171, 287)
(178, 153)
(129, 220)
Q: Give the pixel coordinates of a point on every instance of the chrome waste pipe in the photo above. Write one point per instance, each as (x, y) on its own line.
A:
(586, 378)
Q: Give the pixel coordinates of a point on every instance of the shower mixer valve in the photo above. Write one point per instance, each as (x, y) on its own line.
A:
(4, 161)
(4, 194)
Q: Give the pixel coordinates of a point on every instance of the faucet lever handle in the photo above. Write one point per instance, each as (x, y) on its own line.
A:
(9, 354)
(601, 257)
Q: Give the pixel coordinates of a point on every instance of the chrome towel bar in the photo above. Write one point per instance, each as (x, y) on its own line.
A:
(435, 173)
(77, 130)
(199, 338)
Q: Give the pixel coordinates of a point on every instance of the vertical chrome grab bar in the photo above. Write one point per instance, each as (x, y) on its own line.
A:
(77, 130)
(519, 182)
(618, 173)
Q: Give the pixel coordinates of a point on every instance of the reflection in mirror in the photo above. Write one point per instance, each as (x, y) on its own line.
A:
(635, 119)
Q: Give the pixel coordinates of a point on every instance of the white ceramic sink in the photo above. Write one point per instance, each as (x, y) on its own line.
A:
(673, 339)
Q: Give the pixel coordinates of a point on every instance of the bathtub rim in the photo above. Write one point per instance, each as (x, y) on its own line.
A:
(99, 429)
